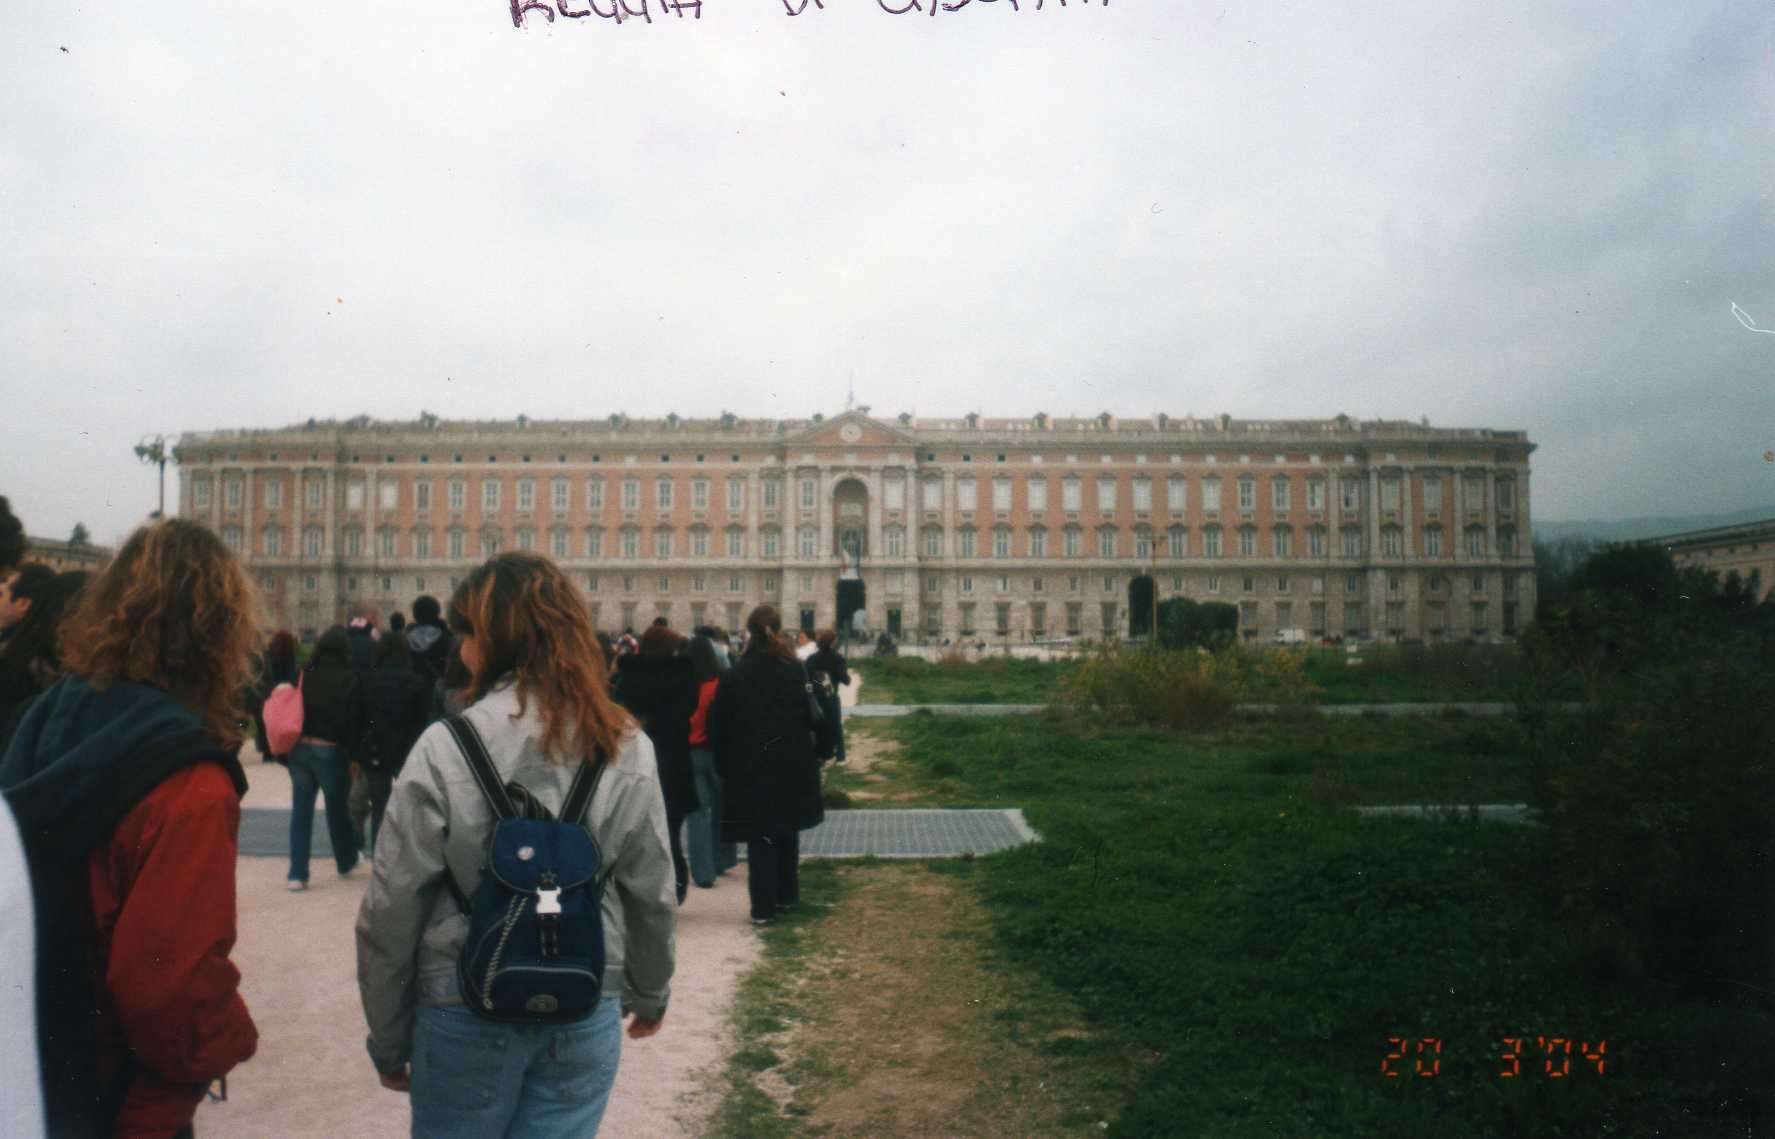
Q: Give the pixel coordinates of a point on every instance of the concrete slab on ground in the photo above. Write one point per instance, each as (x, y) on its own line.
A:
(922, 833)
(887, 711)
(884, 711)
(1518, 813)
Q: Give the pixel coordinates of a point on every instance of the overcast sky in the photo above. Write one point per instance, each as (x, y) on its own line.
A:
(1500, 214)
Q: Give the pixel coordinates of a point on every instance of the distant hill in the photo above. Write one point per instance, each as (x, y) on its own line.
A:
(1632, 529)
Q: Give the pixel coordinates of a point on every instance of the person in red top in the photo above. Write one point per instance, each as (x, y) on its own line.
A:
(709, 856)
(125, 785)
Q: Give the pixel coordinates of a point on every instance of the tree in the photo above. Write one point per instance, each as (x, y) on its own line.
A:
(1185, 623)
(1556, 564)
(1657, 787)
(80, 536)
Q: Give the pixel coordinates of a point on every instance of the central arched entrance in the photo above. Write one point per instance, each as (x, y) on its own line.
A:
(850, 534)
(1143, 597)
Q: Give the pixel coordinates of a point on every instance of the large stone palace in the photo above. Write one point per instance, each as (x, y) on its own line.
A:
(1005, 530)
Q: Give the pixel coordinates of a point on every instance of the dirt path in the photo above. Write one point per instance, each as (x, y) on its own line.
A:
(905, 1026)
(312, 1077)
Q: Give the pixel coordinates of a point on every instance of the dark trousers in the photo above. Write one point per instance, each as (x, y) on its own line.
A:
(773, 873)
(380, 785)
(680, 866)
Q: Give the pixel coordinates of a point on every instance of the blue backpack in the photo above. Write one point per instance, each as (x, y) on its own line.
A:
(535, 948)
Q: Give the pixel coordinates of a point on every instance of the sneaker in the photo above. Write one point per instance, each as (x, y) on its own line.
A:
(763, 921)
(295, 885)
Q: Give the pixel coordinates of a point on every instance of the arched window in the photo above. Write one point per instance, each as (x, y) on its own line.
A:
(1179, 544)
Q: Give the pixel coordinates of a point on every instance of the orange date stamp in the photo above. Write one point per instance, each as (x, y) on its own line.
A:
(1519, 1057)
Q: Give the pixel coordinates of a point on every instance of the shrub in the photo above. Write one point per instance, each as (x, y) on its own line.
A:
(1183, 689)
(1281, 676)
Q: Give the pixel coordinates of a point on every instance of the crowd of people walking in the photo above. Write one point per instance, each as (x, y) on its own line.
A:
(459, 754)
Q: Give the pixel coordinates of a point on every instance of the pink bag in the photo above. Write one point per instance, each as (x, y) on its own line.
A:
(283, 717)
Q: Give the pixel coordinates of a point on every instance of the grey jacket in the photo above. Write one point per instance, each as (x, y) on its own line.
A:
(409, 929)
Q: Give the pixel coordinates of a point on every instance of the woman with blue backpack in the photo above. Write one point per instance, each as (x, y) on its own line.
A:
(523, 900)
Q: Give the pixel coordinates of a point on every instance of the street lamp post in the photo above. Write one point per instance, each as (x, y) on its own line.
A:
(152, 449)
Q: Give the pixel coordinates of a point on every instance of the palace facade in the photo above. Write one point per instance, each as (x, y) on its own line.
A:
(1006, 530)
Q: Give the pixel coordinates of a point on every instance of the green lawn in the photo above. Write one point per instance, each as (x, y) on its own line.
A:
(988, 680)
(1386, 674)
(1210, 897)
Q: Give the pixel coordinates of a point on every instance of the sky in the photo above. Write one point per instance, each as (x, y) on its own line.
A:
(1509, 214)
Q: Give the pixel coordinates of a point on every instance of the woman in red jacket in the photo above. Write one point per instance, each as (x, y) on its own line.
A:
(127, 793)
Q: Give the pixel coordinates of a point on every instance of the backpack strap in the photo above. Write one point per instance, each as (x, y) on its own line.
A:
(480, 765)
(585, 785)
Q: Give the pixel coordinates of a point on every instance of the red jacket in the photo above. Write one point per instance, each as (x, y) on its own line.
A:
(163, 905)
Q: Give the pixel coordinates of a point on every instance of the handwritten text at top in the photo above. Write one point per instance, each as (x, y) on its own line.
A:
(623, 11)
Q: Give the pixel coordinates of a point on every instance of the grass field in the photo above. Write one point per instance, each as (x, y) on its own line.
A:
(1385, 674)
(988, 680)
(1208, 898)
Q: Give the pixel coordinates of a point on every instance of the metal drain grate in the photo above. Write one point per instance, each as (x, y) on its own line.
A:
(916, 833)
(265, 832)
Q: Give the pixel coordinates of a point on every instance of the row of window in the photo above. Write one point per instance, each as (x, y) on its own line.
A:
(967, 493)
(1111, 619)
(965, 543)
(894, 584)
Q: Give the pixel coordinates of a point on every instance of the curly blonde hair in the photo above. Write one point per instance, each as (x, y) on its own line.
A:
(174, 610)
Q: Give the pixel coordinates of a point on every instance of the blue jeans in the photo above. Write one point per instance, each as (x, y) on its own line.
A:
(709, 856)
(323, 768)
(474, 1077)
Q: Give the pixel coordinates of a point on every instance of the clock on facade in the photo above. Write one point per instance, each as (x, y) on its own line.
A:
(850, 433)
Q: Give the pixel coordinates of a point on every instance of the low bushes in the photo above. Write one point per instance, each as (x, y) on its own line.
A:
(1182, 689)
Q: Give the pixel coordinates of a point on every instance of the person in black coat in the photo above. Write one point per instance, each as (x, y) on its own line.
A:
(30, 657)
(829, 660)
(763, 737)
(398, 705)
(332, 720)
(658, 685)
